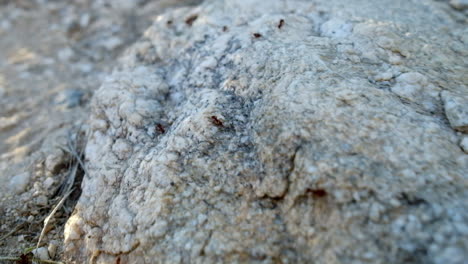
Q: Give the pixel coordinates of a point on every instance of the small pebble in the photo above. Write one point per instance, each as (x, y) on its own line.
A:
(456, 110)
(42, 200)
(52, 248)
(19, 182)
(112, 43)
(30, 219)
(69, 98)
(85, 19)
(54, 161)
(409, 85)
(48, 182)
(41, 253)
(84, 67)
(464, 144)
(65, 54)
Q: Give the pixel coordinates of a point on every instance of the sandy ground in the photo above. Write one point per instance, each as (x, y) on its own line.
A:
(53, 55)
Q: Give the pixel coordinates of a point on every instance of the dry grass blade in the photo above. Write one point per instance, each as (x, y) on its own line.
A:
(10, 258)
(72, 150)
(47, 219)
(69, 181)
(67, 186)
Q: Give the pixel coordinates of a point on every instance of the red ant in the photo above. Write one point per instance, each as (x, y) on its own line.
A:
(216, 121)
(189, 21)
(317, 193)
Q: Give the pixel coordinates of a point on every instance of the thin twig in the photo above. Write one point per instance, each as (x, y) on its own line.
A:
(47, 219)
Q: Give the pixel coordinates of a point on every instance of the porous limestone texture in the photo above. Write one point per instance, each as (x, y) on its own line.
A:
(252, 131)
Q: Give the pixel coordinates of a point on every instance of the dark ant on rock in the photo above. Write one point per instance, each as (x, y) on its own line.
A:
(257, 35)
(281, 23)
(189, 21)
(216, 121)
(317, 193)
(225, 28)
(160, 128)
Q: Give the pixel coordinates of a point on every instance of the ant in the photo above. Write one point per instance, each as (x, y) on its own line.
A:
(281, 23)
(317, 193)
(160, 128)
(216, 121)
(189, 21)
(257, 35)
(225, 28)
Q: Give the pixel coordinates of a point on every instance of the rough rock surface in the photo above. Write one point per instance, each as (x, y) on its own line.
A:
(280, 132)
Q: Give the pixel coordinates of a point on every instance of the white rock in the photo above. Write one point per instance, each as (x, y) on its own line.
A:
(19, 182)
(456, 109)
(41, 253)
(277, 146)
(84, 67)
(384, 76)
(85, 19)
(65, 54)
(409, 85)
(72, 228)
(52, 248)
(464, 144)
(42, 200)
(111, 43)
(55, 161)
(49, 181)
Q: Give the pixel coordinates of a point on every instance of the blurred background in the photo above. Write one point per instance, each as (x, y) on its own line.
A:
(53, 56)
